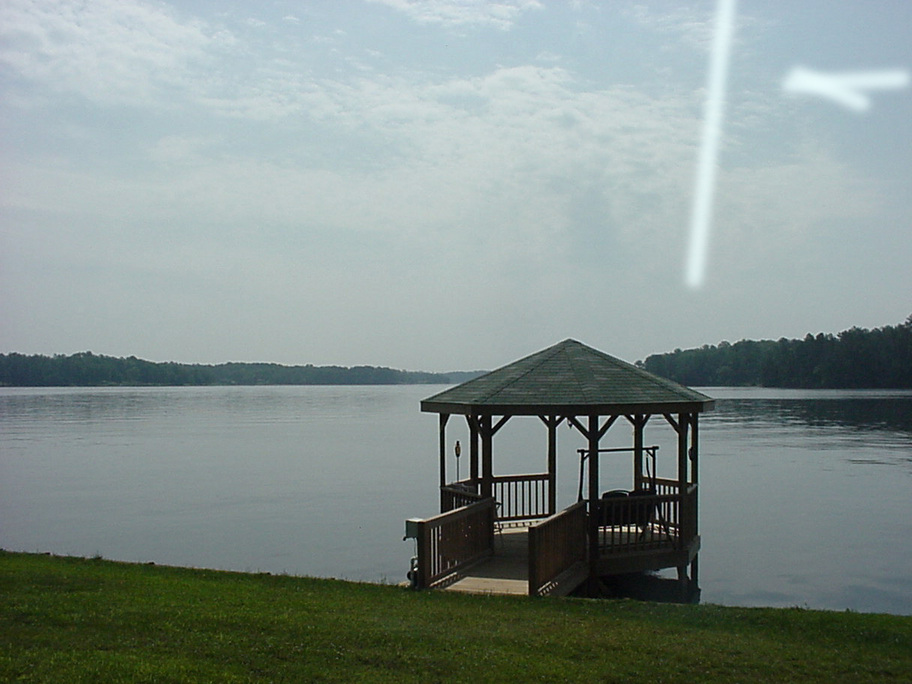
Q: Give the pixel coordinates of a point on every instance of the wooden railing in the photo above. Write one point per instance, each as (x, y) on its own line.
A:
(555, 546)
(648, 522)
(457, 495)
(452, 540)
(522, 497)
(663, 486)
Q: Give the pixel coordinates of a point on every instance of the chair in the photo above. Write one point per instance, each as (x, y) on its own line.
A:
(621, 508)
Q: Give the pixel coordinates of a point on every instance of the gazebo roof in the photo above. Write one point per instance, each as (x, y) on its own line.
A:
(568, 379)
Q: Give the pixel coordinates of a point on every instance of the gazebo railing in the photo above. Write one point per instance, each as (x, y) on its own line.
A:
(648, 522)
(664, 485)
(522, 497)
(519, 497)
(457, 495)
(670, 515)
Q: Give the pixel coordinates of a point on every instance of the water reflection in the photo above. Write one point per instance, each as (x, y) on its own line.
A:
(648, 586)
(804, 498)
(856, 410)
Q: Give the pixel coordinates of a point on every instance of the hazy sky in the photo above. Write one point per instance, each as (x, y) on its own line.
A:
(437, 185)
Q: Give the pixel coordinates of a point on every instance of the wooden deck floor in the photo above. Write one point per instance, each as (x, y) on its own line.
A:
(506, 572)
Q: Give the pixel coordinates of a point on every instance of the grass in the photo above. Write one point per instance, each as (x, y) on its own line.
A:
(82, 620)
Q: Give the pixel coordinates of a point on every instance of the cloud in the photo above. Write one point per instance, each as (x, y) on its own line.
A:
(110, 51)
(775, 211)
(529, 149)
(261, 164)
(693, 26)
(519, 171)
(452, 13)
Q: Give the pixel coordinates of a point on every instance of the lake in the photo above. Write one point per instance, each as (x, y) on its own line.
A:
(804, 495)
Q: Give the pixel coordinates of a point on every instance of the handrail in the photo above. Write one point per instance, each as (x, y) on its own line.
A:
(522, 497)
(555, 546)
(618, 450)
(451, 540)
(519, 497)
(647, 522)
(457, 495)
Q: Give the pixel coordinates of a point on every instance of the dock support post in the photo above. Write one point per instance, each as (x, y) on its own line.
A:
(683, 582)
(695, 476)
(593, 438)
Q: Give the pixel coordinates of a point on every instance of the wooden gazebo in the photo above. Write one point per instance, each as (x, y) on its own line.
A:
(650, 527)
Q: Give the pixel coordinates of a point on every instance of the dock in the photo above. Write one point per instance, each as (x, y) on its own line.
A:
(507, 571)
(506, 534)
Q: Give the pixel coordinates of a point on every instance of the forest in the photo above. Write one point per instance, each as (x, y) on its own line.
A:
(855, 358)
(88, 369)
(852, 359)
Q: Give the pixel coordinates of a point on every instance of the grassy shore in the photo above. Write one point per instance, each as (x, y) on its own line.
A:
(81, 620)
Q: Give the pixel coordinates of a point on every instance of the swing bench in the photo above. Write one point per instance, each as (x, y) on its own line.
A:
(623, 508)
(620, 508)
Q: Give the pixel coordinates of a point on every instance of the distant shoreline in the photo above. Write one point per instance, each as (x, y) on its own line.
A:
(856, 358)
(852, 359)
(86, 369)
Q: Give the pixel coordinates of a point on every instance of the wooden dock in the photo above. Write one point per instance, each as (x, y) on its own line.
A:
(507, 571)
(648, 526)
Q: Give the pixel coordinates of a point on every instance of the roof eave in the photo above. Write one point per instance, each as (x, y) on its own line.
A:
(456, 408)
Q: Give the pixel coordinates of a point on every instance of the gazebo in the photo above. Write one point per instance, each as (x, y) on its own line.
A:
(649, 527)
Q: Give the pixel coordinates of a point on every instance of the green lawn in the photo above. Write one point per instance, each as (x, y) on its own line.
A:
(73, 620)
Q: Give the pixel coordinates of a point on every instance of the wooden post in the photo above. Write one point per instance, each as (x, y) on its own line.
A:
(424, 556)
(683, 421)
(552, 422)
(694, 449)
(695, 574)
(593, 437)
(473, 448)
(533, 562)
(694, 476)
(682, 581)
(487, 468)
(682, 425)
(444, 417)
(639, 422)
(694, 468)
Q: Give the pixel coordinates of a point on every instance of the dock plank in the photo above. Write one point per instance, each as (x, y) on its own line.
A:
(506, 572)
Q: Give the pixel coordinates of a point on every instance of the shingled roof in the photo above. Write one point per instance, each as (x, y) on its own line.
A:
(567, 379)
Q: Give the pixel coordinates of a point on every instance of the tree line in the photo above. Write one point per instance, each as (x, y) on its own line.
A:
(88, 369)
(853, 358)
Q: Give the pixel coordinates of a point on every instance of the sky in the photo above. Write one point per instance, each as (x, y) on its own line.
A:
(439, 184)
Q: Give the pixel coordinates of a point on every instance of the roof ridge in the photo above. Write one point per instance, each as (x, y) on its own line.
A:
(570, 376)
(554, 349)
(652, 377)
(573, 368)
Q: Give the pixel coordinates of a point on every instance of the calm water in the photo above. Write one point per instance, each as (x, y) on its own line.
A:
(804, 495)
